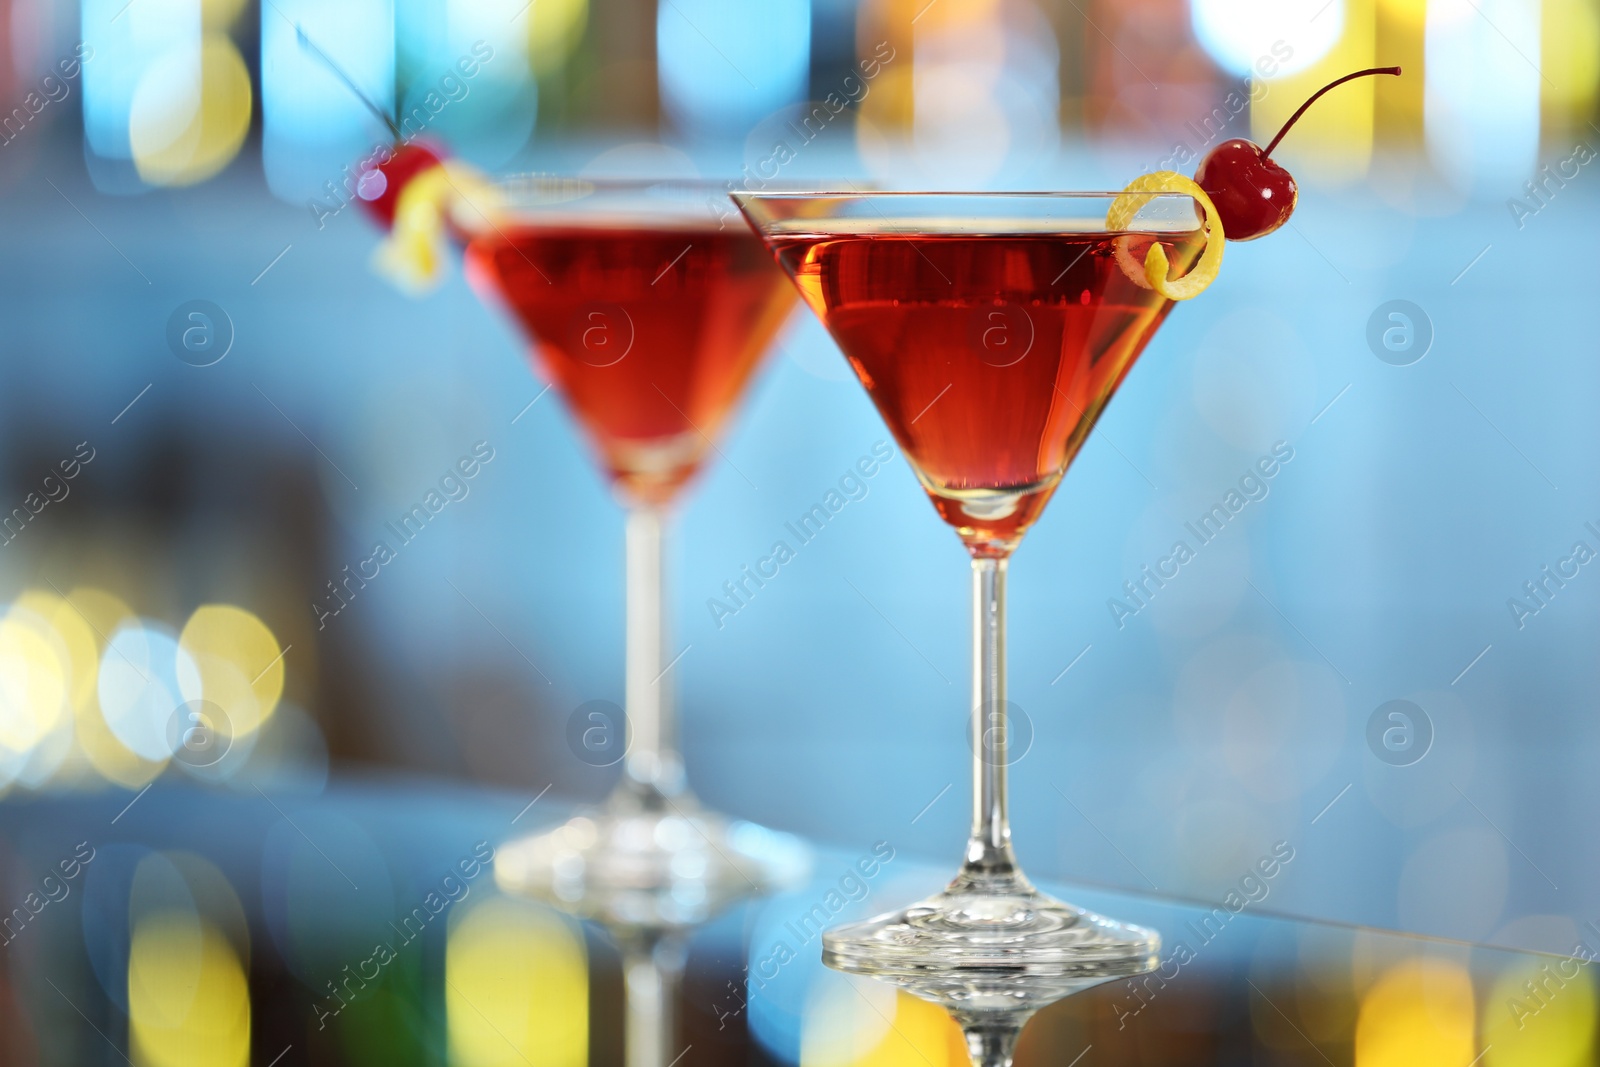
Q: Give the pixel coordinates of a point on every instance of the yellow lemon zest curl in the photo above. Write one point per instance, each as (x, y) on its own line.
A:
(414, 254)
(1140, 192)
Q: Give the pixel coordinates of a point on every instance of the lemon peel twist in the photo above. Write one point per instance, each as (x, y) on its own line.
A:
(414, 254)
(1141, 191)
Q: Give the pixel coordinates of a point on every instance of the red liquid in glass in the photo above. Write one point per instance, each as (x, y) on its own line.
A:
(990, 357)
(650, 333)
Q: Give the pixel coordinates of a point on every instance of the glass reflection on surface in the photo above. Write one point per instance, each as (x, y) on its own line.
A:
(363, 926)
(516, 985)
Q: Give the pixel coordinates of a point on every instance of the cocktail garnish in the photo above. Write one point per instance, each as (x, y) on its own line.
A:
(414, 253)
(1253, 194)
(383, 177)
(1153, 273)
(412, 190)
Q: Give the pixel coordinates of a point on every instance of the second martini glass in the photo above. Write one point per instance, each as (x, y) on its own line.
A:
(990, 330)
(648, 309)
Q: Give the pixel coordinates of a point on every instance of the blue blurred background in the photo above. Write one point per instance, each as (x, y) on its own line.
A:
(1440, 445)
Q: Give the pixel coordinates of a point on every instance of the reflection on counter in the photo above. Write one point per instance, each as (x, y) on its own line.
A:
(362, 927)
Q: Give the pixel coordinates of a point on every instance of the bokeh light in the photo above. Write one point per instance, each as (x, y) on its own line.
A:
(1541, 1015)
(848, 1024)
(239, 664)
(1295, 34)
(555, 27)
(1482, 91)
(985, 90)
(1569, 59)
(1409, 13)
(61, 761)
(189, 1004)
(35, 686)
(190, 112)
(143, 675)
(221, 14)
(1419, 1013)
(487, 117)
(722, 69)
(516, 987)
(187, 991)
(101, 614)
(127, 45)
(79, 708)
(165, 87)
(1333, 141)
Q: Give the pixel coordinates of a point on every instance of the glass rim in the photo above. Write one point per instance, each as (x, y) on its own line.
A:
(535, 181)
(945, 212)
(652, 200)
(999, 194)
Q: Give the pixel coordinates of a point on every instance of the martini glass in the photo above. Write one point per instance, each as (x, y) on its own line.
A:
(990, 330)
(648, 305)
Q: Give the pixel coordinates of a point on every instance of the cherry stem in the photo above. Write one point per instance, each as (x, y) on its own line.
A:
(338, 72)
(1265, 152)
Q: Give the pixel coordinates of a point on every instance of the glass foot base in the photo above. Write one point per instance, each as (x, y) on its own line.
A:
(984, 951)
(647, 868)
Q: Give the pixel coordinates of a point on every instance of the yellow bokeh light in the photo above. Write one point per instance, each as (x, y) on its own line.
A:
(1410, 13)
(188, 999)
(516, 987)
(1418, 1014)
(961, 13)
(92, 615)
(1569, 59)
(220, 14)
(73, 641)
(1541, 1016)
(916, 1034)
(239, 661)
(190, 112)
(34, 682)
(888, 110)
(554, 29)
(1332, 141)
(77, 644)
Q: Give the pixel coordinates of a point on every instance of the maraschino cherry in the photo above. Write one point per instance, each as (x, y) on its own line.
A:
(380, 184)
(1253, 195)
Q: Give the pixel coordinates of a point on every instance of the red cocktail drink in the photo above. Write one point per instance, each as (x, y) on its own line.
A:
(989, 357)
(650, 332)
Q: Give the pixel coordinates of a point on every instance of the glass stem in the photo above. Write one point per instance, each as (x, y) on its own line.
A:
(991, 1037)
(652, 972)
(653, 770)
(989, 856)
